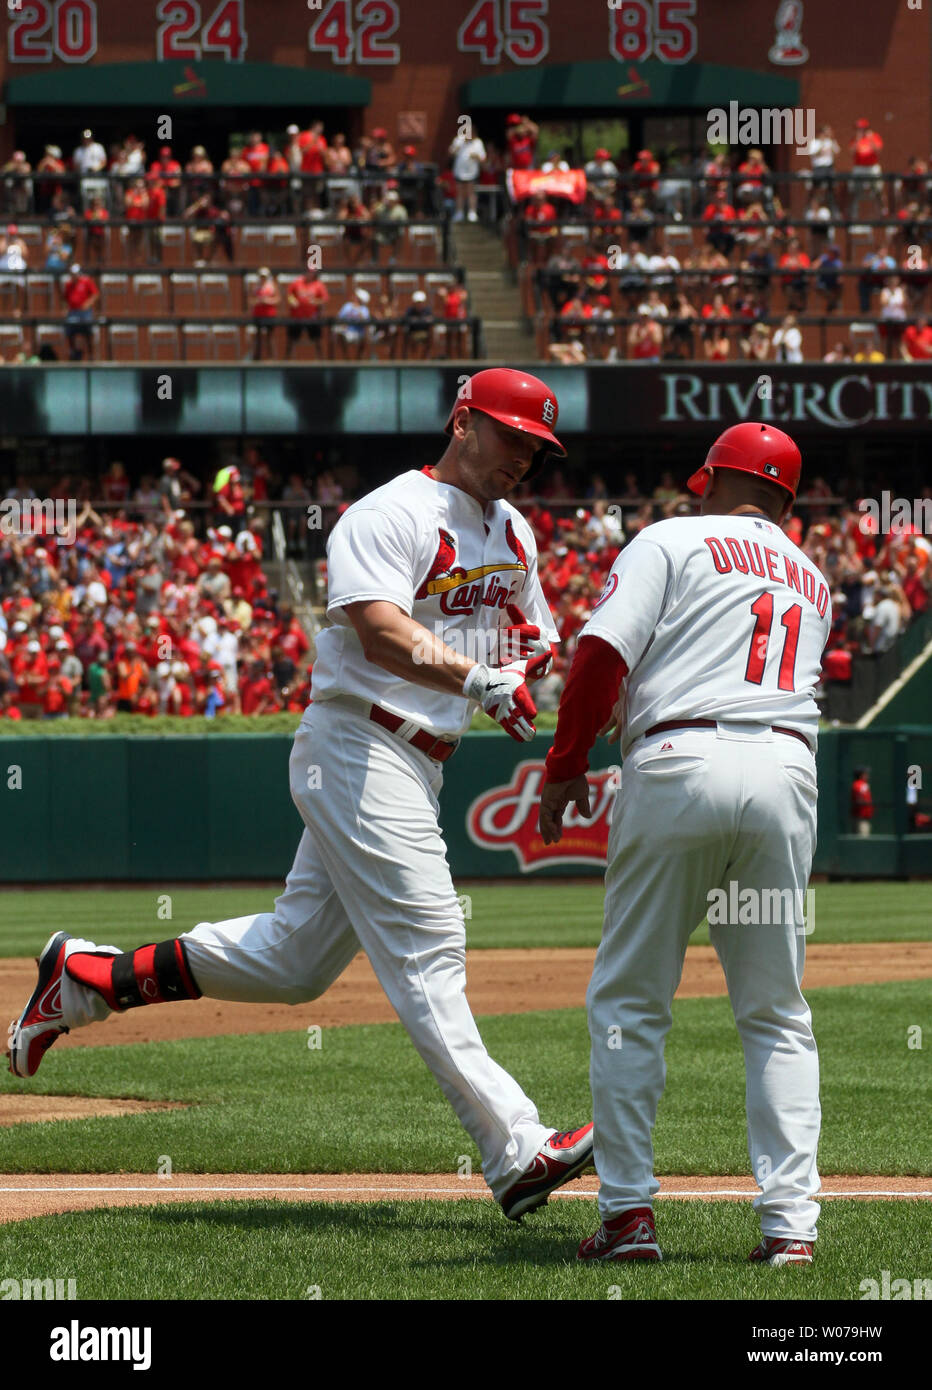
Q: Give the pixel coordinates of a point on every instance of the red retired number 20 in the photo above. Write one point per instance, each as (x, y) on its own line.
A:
(762, 608)
(70, 24)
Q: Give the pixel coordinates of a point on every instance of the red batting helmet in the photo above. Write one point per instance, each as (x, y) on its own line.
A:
(752, 448)
(517, 399)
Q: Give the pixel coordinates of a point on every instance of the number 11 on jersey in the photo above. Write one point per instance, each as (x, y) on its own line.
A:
(762, 608)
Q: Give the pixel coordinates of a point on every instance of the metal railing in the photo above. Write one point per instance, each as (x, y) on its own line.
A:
(182, 336)
(290, 582)
(152, 238)
(418, 185)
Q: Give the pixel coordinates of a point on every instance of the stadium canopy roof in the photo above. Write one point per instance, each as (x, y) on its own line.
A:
(214, 83)
(608, 83)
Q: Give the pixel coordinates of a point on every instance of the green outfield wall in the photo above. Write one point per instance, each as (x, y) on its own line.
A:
(190, 808)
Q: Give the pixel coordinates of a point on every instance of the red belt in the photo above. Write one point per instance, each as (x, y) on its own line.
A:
(712, 724)
(437, 748)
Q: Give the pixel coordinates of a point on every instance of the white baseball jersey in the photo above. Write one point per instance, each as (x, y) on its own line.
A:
(429, 548)
(716, 617)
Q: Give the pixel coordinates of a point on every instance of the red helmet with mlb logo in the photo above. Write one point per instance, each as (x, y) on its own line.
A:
(517, 399)
(752, 448)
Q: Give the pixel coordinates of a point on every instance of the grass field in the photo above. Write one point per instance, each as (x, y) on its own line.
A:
(532, 914)
(451, 1250)
(271, 1104)
(268, 1104)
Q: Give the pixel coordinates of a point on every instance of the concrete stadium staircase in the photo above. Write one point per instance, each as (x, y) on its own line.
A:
(493, 295)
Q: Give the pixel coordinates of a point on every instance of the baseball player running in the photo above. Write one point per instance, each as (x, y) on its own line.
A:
(422, 571)
(716, 624)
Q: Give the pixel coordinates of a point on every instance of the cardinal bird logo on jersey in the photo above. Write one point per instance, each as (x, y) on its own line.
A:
(514, 545)
(442, 564)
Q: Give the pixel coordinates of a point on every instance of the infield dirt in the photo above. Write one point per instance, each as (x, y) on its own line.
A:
(497, 982)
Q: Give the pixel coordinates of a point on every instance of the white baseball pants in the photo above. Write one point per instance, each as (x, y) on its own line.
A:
(370, 873)
(732, 805)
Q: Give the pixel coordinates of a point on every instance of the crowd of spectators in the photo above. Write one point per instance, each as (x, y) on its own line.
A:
(134, 612)
(158, 607)
(739, 285)
(284, 173)
(373, 190)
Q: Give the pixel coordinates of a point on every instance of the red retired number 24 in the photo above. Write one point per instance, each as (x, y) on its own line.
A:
(762, 608)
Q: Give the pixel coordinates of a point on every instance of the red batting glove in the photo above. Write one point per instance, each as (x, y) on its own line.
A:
(521, 647)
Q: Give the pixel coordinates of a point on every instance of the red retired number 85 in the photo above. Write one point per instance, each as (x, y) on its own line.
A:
(762, 608)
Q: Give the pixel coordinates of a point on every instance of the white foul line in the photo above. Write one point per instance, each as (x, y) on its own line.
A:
(442, 1191)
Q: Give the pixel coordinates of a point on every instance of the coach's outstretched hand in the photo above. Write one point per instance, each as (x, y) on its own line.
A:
(505, 696)
(554, 799)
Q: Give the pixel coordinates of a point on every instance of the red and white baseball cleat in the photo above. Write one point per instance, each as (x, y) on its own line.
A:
(32, 1034)
(563, 1158)
(774, 1251)
(628, 1236)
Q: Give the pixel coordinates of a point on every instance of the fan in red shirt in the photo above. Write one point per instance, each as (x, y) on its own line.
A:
(57, 692)
(794, 286)
(916, 342)
(9, 709)
(862, 802)
(96, 216)
(256, 154)
(245, 571)
(156, 198)
(538, 212)
(31, 671)
(80, 293)
(256, 692)
(865, 161)
(647, 169)
(539, 208)
(521, 140)
(80, 290)
(718, 213)
(156, 207)
(136, 212)
(645, 339)
(751, 176)
(185, 688)
(312, 149)
(719, 209)
(866, 146)
(276, 190)
(290, 636)
(307, 296)
(266, 300)
(574, 316)
(167, 171)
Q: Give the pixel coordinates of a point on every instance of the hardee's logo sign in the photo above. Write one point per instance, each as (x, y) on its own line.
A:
(506, 818)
